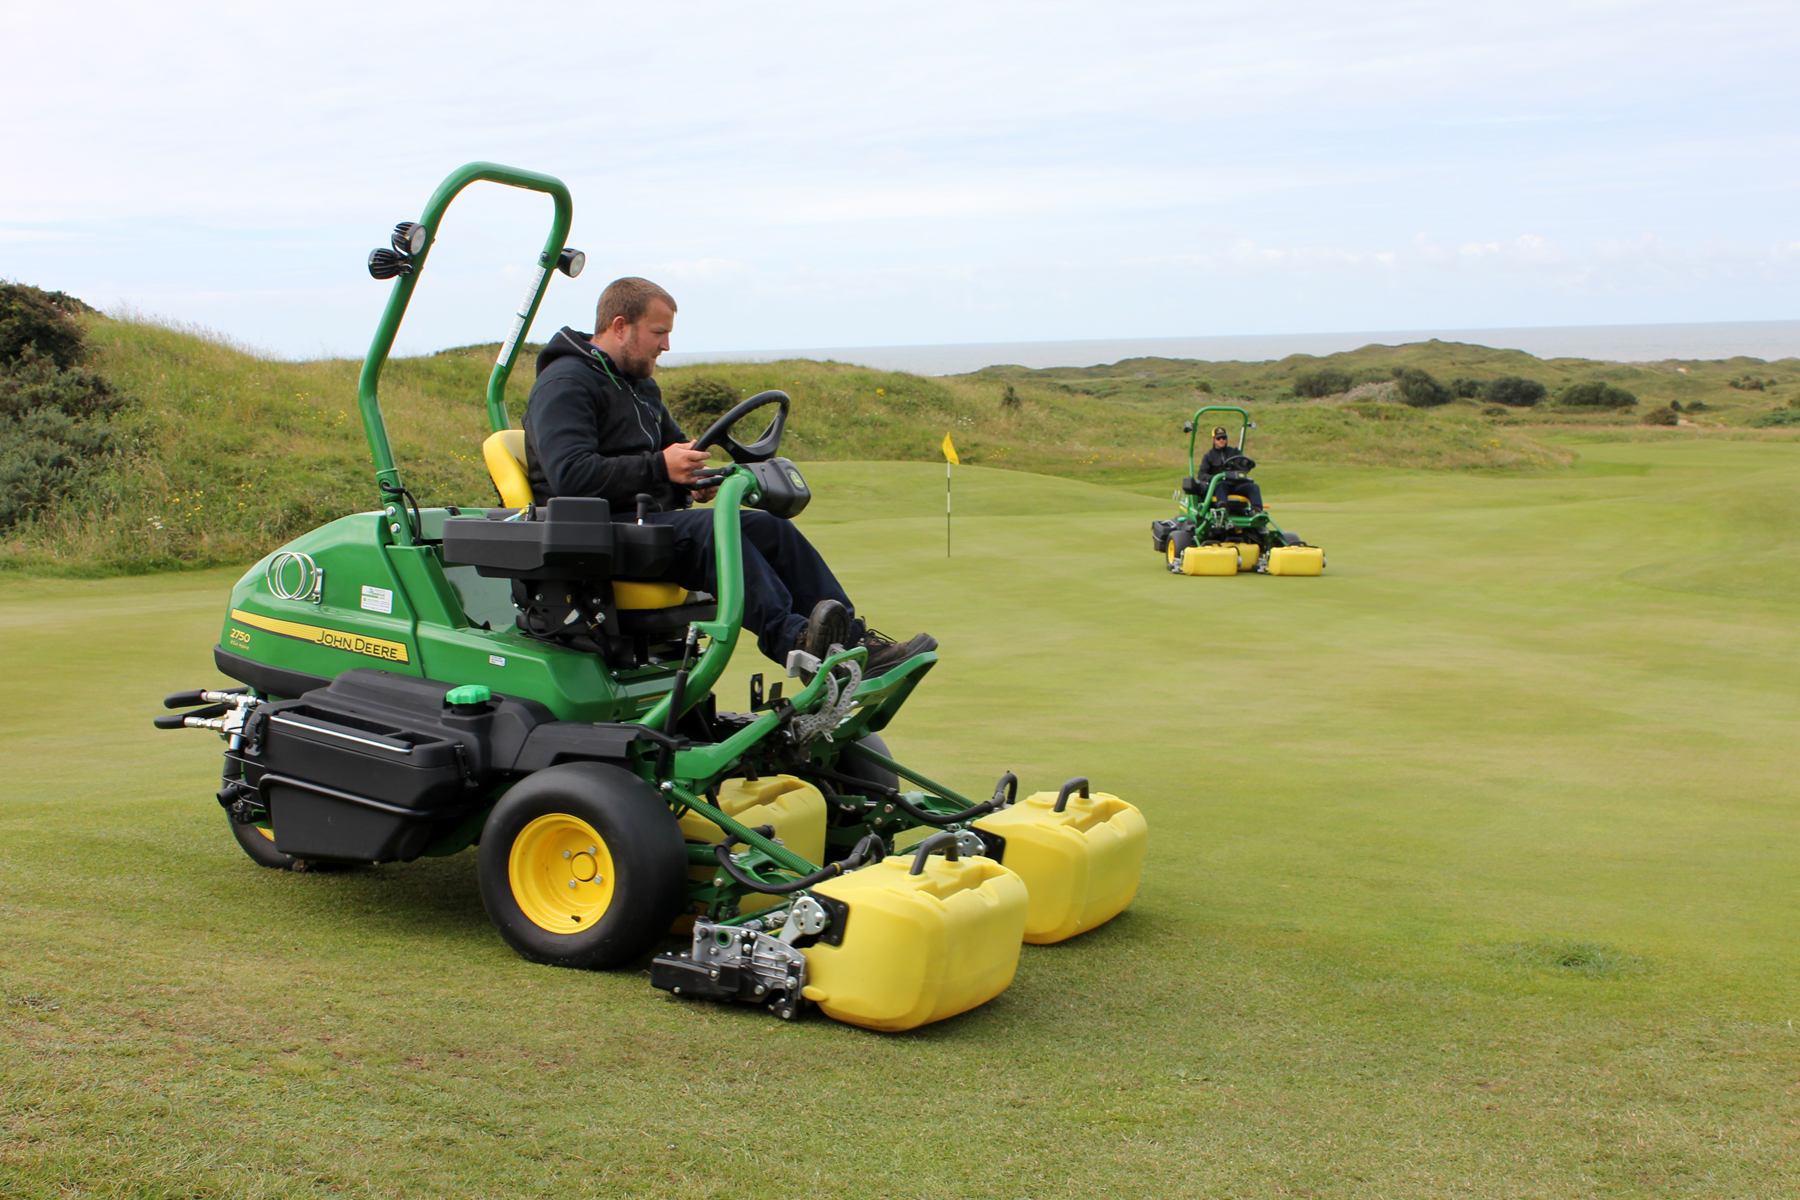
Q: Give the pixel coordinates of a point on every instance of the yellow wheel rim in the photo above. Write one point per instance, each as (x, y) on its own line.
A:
(561, 873)
(1171, 551)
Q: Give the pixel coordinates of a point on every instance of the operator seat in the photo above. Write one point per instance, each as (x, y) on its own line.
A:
(504, 453)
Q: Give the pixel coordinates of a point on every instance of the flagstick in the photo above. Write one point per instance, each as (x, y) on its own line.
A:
(946, 508)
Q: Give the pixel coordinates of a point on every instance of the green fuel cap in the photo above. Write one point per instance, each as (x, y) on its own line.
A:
(468, 693)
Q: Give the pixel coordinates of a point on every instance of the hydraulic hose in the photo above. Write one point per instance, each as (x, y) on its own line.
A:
(864, 852)
(912, 810)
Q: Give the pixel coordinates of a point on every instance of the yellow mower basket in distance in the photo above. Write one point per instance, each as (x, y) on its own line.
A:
(1209, 560)
(1079, 855)
(1296, 560)
(918, 948)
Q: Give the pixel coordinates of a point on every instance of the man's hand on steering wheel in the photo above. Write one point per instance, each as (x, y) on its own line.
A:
(683, 462)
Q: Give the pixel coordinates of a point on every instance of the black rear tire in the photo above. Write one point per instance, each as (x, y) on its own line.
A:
(602, 829)
(859, 767)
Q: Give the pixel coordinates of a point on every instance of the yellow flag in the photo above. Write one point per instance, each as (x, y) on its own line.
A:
(950, 451)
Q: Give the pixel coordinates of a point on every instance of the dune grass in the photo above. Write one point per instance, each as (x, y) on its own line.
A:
(234, 454)
(1471, 875)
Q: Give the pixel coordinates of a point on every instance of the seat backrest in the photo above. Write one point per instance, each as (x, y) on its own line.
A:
(504, 453)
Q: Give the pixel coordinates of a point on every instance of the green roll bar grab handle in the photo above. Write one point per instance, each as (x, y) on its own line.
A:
(1193, 430)
(412, 244)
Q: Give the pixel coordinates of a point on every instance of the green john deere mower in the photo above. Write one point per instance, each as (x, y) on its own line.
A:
(420, 680)
(1218, 530)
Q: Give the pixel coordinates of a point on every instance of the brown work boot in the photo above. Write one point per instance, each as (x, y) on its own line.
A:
(885, 653)
(828, 626)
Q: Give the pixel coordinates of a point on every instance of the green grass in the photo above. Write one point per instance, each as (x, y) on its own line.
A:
(1471, 874)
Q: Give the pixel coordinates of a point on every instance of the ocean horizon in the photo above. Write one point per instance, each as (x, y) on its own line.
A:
(1766, 340)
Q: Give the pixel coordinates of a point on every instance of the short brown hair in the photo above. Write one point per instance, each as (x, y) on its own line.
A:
(628, 298)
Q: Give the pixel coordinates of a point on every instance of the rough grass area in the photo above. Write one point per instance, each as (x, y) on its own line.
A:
(1471, 875)
(232, 454)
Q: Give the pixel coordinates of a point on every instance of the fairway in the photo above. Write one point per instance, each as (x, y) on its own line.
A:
(1472, 872)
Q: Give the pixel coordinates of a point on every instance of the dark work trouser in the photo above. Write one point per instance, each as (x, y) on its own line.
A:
(1246, 488)
(783, 575)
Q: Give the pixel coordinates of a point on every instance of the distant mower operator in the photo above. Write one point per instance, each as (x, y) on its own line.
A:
(1223, 528)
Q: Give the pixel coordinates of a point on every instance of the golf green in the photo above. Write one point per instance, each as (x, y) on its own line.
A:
(1472, 872)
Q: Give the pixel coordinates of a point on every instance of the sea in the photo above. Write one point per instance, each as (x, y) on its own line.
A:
(1767, 340)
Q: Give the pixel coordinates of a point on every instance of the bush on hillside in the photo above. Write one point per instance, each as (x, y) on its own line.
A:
(1326, 381)
(702, 398)
(1010, 397)
(1464, 388)
(44, 456)
(54, 416)
(1419, 389)
(1779, 417)
(33, 317)
(1595, 394)
(1514, 391)
(34, 383)
(1662, 416)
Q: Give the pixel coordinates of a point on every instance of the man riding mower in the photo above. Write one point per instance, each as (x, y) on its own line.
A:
(1222, 527)
(526, 680)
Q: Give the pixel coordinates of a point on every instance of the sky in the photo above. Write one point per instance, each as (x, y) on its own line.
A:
(871, 174)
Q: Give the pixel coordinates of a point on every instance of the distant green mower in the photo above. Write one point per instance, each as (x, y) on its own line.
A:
(422, 680)
(1218, 532)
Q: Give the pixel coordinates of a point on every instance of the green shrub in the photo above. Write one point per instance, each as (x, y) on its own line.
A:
(33, 317)
(1495, 410)
(702, 398)
(33, 383)
(1420, 390)
(1595, 394)
(1694, 406)
(54, 427)
(1326, 381)
(1778, 417)
(1662, 416)
(1514, 391)
(45, 456)
(1010, 397)
(1464, 388)
(1747, 383)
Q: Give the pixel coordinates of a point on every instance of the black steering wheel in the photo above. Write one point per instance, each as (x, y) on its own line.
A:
(1240, 462)
(764, 447)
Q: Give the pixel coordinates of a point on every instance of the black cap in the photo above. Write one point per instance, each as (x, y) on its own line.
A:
(1219, 431)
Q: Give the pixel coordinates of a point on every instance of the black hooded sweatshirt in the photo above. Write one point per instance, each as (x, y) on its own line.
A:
(590, 431)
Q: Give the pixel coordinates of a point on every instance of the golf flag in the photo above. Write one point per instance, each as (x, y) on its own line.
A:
(949, 460)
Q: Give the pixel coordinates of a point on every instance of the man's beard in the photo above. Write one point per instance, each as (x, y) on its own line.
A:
(635, 368)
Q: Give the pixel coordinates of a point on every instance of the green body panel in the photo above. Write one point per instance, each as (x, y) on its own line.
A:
(352, 552)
